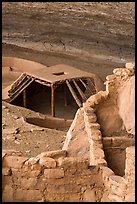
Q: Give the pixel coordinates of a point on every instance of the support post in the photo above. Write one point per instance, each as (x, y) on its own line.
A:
(52, 100)
(24, 99)
(65, 95)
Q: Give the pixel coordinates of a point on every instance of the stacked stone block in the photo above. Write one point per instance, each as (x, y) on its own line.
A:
(92, 127)
(130, 174)
(50, 176)
(119, 76)
(117, 188)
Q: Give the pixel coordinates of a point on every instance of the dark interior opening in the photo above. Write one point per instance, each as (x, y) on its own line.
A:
(115, 158)
(38, 98)
(115, 152)
(59, 73)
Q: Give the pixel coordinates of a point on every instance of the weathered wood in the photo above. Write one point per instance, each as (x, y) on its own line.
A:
(73, 94)
(18, 82)
(92, 83)
(24, 98)
(65, 95)
(86, 86)
(13, 97)
(43, 82)
(80, 91)
(52, 100)
(19, 88)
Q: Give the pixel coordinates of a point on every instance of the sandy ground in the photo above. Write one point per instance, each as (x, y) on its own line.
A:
(95, 37)
(31, 140)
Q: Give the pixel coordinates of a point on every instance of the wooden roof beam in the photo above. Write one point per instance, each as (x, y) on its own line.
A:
(15, 96)
(43, 83)
(79, 90)
(86, 86)
(74, 94)
(19, 88)
(17, 82)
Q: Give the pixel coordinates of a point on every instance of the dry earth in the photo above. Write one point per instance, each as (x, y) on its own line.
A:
(31, 140)
(95, 37)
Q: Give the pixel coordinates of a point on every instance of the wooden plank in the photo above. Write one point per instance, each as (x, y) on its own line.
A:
(43, 82)
(11, 92)
(52, 100)
(18, 88)
(15, 96)
(17, 82)
(80, 91)
(65, 95)
(73, 94)
(93, 85)
(86, 86)
(24, 98)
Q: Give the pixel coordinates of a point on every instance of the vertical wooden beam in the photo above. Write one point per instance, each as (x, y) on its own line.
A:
(24, 98)
(52, 100)
(65, 95)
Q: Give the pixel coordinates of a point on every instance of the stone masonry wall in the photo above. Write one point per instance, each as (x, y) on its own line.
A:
(51, 176)
(117, 188)
(92, 128)
(121, 87)
(130, 174)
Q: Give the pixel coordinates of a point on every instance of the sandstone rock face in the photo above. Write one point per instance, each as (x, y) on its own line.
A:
(126, 104)
(89, 196)
(76, 142)
(109, 118)
(102, 39)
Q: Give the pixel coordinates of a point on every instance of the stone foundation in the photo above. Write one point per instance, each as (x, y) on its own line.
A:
(51, 176)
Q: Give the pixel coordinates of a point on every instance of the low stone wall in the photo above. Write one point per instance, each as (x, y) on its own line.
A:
(51, 176)
(49, 122)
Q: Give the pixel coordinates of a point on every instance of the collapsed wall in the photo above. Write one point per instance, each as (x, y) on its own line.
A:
(80, 171)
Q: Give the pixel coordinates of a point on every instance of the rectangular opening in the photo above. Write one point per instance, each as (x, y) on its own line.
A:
(59, 73)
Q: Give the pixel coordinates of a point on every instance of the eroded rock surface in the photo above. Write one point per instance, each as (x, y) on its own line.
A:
(92, 36)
